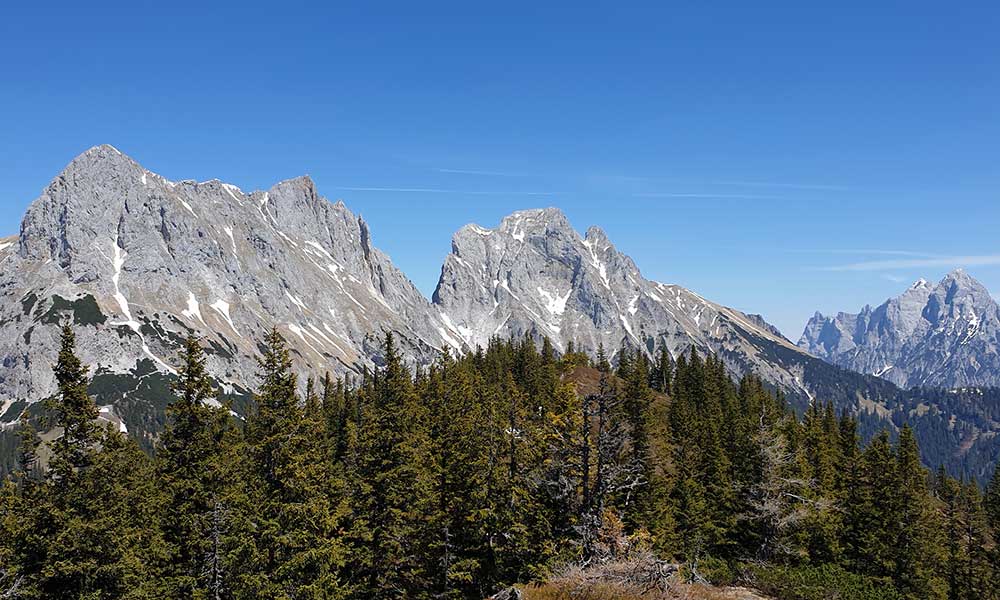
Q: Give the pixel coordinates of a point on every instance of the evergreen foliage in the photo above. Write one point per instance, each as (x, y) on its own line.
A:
(479, 471)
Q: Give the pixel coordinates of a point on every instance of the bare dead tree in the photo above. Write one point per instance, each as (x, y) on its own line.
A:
(777, 502)
(214, 566)
(617, 472)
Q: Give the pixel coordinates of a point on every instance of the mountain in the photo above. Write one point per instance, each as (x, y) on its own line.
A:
(945, 335)
(536, 275)
(136, 262)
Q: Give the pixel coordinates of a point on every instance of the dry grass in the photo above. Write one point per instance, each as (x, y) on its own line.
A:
(606, 591)
(641, 578)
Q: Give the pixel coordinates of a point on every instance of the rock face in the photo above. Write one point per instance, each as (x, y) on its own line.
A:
(944, 335)
(535, 275)
(137, 262)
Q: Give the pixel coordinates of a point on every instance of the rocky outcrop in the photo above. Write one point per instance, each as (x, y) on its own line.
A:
(137, 262)
(535, 275)
(943, 335)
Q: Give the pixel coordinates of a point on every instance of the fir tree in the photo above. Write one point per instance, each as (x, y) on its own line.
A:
(192, 473)
(293, 506)
(91, 529)
(912, 550)
(992, 503)
(390, 485)
(75, 413)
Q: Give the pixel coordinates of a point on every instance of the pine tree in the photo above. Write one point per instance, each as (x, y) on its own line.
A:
(992, 503)
(390, 484)
(192, 473)
(294, 506)
(912, 550)
(74, 413)
(91, 529)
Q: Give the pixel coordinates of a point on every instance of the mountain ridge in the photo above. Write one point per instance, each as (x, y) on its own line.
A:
(154, 260)
(935, 335)
(138, 262)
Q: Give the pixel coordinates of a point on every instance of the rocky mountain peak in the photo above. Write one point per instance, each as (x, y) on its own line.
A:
(535, 223)
(101, 156)
(945, 334)
(535, 275)
(596, 236)
(958, 281)
(138, 262)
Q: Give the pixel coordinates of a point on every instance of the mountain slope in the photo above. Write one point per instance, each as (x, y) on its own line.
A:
(136, 262)
(535, 275)
(945, 335)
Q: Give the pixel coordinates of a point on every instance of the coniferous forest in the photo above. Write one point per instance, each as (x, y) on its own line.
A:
(497, 467)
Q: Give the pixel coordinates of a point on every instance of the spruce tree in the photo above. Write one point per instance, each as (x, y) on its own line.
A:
(390, 484)
(913, 549)
(992, 503)
(878, 521)
(662, 371)
(191, 468)
(459, 463)
(977, 575)
(851, 494)
(75, 413)
(94, 529)
(293, 506)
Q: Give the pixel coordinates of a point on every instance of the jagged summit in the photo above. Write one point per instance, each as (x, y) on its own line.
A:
(536, 275)
(138, 262)
(102, 152)
(945, 334)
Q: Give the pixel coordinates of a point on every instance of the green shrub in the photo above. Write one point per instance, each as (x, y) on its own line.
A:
(716, 571)
(828, 582)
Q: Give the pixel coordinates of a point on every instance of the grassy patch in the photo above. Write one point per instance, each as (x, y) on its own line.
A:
(13, 411)
(84, 310)
(28, 302)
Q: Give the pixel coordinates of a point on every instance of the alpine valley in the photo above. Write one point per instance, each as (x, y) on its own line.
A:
(136, 263)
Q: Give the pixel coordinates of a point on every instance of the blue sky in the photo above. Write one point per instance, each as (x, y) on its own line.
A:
(777, 157)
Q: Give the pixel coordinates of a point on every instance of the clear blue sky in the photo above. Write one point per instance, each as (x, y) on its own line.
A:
(751, 151)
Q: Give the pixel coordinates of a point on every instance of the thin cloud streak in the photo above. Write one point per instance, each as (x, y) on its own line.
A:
(943, 261)
(445, 191)
(868, 251)
(735, 183)
(478, 172)
(792, 186)
(702, 195)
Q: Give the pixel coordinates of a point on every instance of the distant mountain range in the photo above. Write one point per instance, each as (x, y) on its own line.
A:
(945, 335)
(137, 262)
